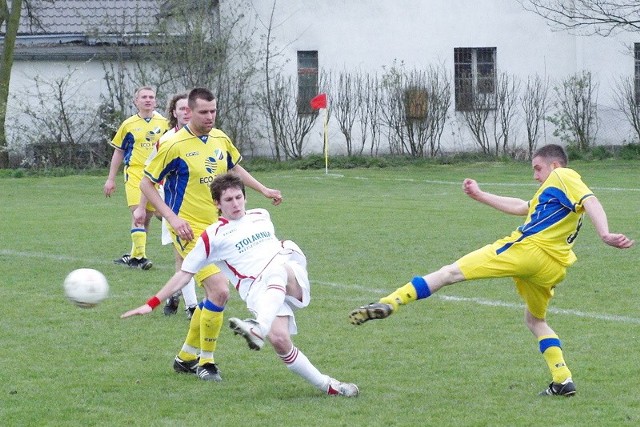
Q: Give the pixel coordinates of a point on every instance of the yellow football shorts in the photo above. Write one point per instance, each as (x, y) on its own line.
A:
(132, 189)
(534, 272)
(184, 248)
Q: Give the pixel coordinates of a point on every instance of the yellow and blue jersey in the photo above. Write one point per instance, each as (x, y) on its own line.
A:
(555, 216)
(188, 164)
(137, 137)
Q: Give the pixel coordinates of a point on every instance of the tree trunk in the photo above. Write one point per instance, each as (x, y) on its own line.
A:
(12, 23)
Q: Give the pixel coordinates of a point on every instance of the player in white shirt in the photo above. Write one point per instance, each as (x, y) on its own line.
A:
(270, 276)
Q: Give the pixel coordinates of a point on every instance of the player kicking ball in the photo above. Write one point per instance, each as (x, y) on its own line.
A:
(536, 255)
(270, 276)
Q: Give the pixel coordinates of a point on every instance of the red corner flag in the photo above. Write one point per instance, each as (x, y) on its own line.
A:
(319, 101)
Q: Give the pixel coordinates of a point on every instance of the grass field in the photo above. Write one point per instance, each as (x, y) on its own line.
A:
(463, 357)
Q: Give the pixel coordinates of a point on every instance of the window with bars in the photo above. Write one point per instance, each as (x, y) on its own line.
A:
(475, 77)
(307, 79)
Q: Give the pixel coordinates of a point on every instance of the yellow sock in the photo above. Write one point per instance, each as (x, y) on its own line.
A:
(552, 353)
(138, 243)
(210, 326)
(401, 296)
(193, 337)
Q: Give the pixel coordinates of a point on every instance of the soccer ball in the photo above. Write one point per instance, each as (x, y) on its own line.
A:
(86, 287)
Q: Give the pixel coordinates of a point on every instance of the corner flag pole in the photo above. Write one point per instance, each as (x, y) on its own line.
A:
(326, 144)
(319, 102)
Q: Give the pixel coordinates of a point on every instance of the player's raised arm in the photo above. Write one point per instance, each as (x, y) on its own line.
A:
(256, 185)
(509, 205)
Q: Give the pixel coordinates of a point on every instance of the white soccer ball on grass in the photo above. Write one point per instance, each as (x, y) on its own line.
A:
(86, 287)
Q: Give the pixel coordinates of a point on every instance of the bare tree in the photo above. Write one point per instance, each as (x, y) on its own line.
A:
(601, 17)
(535, 105)
(10, 17)
(369, 98)
(507, 92)
(576, 115)
(290, 127)
(628, 103)
(476, 118)
(356, 104)
(193, 47)
(417, 102)
(61, 125)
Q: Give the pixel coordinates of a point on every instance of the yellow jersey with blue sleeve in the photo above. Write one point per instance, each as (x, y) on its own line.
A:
(555, 216)
(187, 164)
(136, 137)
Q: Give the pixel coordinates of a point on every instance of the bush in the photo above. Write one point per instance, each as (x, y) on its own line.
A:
(630, 152)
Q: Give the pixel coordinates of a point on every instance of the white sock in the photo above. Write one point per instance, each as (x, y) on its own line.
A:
(297, 362)
(189, 294)
(268, 307)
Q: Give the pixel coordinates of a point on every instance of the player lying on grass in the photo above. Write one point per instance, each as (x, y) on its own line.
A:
(270, 275)
(536, 255)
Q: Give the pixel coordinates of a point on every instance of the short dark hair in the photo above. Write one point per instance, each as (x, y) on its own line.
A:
(171, 105)
(200, 93)
(554, 152)
(224, 182)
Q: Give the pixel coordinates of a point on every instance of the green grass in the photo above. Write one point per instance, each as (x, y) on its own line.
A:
(461, 358)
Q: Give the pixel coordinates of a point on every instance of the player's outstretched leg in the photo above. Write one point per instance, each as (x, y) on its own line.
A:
(375, 310)
(249, 329)
(415, 290)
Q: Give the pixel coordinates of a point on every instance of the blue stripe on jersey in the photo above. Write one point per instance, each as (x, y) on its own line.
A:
(230, 163)
(175, 183)
(552, 207)
(127, 147)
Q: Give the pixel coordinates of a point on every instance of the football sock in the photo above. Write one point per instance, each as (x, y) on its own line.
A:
(412, 291)
(268, 306)
(551, 350)
(211, 318)
(192, 342)
(298, 363)
(138, 243)
(189, 294)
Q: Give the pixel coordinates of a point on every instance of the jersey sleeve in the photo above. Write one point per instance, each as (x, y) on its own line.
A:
(233, 155)
(119, 138)
(196, 259)
(573, 186)
(160, 165)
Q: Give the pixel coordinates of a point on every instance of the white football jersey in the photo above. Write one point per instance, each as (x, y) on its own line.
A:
(241, 248)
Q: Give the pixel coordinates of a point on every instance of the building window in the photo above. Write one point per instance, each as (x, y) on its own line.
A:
(307, 79)
(475, 77)
(636, 79)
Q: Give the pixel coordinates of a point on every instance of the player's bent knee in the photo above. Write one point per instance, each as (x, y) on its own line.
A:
(280, 341)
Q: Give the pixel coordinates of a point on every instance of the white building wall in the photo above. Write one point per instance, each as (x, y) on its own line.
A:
(369, 34)
(366, 35)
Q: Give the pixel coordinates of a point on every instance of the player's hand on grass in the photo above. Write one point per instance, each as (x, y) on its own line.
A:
(143, 309)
